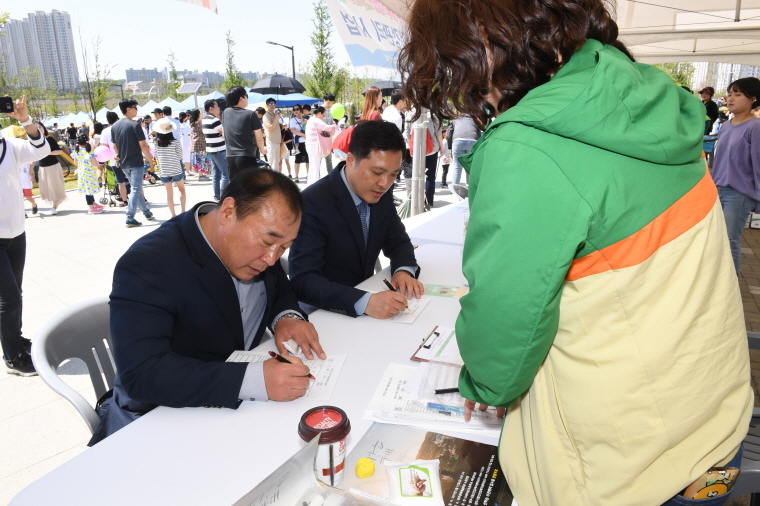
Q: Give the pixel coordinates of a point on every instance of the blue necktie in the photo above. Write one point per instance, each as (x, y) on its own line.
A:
(363, 208)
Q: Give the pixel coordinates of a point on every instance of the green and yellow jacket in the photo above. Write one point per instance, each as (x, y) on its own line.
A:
(604, 307)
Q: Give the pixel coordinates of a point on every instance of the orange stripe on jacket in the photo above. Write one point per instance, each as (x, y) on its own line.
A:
(685, 213)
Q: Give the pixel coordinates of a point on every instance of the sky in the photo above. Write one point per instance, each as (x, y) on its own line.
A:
(141, 33)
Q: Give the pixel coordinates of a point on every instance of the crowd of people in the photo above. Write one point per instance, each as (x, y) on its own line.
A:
(604, 319)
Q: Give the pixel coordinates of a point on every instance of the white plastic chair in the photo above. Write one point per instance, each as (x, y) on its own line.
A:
(81, 331)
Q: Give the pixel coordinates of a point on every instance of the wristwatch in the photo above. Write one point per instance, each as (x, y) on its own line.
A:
(293, 315)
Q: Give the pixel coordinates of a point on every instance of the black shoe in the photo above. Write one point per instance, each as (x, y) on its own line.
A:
(21, 365)
(444, 185)
(34, 210)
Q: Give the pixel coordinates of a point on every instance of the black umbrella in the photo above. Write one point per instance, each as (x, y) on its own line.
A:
(386, 87)
(282, 85)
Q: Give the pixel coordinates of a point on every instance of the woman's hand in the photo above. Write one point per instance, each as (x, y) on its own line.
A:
(469, 407)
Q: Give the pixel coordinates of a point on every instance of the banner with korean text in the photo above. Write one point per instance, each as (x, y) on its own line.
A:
(372, 33)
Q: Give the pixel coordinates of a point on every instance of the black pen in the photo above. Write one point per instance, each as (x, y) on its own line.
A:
(390, 287)
(284, 360)
(446, 391)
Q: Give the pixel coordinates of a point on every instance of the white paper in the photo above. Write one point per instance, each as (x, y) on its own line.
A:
(391, 404)
(441, 346)
(409, 315)
(326, 371)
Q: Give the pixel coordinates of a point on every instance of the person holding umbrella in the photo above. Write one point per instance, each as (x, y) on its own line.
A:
(271, 120)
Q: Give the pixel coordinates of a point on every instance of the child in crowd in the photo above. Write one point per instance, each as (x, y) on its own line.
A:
(169, 156)
(88, 174)
(26, 173)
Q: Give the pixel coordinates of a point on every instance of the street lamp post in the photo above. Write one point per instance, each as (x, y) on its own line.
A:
(292, 54)
(121, 86)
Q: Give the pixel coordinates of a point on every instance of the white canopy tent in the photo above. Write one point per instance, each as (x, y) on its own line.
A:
(658, 31)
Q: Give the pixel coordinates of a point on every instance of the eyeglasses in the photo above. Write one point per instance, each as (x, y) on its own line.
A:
(296, 110)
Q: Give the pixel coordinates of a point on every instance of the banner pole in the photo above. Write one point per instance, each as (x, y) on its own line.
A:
(418, 164)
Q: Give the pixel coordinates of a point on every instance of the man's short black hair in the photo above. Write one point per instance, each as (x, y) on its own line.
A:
(261, 110)
(167, 110)
(329, 96)
(55, 124)
(208, 104)
(270, 100)
(234, 94)
(306, 107)
(124, 104)
(147, 117)
(112, 117)
(252, 186)
(375, 136)
(396, 97)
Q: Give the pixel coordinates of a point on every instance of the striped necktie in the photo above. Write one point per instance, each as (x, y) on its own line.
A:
(363, 208)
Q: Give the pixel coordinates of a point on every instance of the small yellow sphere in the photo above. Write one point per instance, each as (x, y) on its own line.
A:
(365, 468)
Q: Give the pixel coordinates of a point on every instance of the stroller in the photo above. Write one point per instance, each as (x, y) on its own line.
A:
(150, 176)
(708, 146)
(111, 188)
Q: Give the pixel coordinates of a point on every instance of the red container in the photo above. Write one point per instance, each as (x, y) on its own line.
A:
(333, 426)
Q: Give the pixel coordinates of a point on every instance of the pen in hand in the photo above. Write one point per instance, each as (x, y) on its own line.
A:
(284, 360)
(390, 287)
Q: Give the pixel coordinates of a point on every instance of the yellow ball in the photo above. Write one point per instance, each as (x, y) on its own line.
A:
(365, 468)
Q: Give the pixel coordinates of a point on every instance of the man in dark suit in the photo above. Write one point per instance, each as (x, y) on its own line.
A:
(348, 218)
(205, 284)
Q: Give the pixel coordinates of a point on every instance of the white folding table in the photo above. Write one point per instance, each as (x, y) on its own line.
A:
(215, 456)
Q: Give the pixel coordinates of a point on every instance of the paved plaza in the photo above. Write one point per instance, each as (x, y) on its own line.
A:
(70, 258)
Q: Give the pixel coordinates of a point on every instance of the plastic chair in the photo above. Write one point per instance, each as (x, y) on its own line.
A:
(81, 331)
(749, 478)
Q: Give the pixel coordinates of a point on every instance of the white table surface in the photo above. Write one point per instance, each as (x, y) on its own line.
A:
(215, 456)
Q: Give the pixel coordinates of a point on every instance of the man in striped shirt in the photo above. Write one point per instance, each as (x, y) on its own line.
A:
(215, 146)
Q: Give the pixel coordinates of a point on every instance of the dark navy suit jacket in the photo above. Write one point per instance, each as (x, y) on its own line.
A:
(328, 258)
(175, 318)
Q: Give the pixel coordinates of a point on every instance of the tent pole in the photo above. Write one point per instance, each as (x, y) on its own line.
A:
(738, 16)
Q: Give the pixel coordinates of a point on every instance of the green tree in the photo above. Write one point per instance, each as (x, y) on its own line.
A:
(53, 107)
(29, 83)
(351, 95)
(4, 78)
(96, 81)
(74, 97)
(681, 73)
(232, 76)
(174, 82)
(323, 75)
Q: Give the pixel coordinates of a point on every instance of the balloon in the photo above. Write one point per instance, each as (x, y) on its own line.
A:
(103, 153)
(337, 111)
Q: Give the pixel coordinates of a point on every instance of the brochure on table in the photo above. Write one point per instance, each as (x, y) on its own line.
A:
(469, 471)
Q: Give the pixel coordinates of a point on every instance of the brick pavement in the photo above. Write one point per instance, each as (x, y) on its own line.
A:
(749, 283)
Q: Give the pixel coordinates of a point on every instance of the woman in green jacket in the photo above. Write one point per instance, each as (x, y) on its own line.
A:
(618, 343)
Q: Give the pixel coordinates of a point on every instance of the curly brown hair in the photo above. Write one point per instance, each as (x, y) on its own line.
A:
(445, 61)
